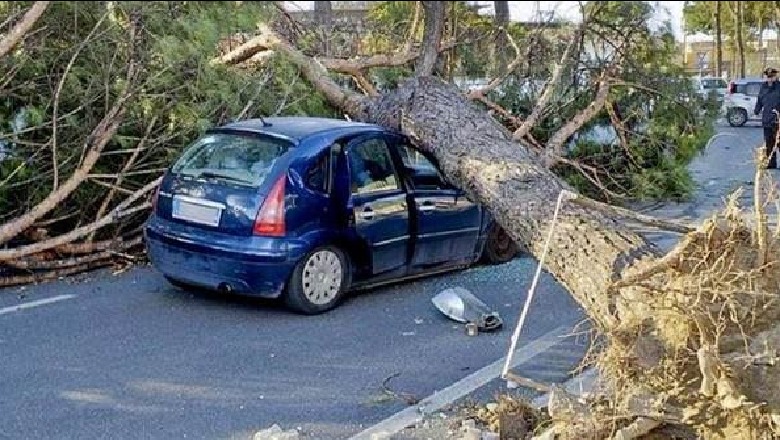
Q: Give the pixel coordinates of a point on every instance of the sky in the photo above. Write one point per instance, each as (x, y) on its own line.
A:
(667, 10)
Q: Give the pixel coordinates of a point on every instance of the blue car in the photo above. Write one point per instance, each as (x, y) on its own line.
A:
(308, 209)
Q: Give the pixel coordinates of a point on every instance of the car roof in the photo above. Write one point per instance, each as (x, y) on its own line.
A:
(749, 79)
(298, 127)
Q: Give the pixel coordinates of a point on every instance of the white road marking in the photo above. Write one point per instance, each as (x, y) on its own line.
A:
(468, 384)
(30, 304)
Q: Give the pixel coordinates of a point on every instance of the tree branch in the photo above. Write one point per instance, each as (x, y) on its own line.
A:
(121, 210)
(554, 147)
(495, 82)
(21, 28)
(353, 103)
(434, 25)
(97, 140)
(256, 46)
(531, 120)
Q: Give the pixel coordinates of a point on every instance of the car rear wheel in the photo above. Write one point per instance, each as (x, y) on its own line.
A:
(500, 247)
(737, 117)
(318, 281)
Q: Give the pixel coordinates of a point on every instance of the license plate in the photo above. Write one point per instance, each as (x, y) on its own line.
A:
(196, 212)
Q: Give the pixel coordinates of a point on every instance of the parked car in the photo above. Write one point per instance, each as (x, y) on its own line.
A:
(741, 100)
(307, 209)
(707, 86)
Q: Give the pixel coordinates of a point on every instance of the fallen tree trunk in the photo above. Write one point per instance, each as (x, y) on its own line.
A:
(665, 330)
(589, 248)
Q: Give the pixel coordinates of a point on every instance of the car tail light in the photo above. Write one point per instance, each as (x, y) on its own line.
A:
(732, 87)
(270, 218)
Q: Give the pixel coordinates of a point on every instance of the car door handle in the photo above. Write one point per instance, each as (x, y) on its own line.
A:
(367, 213)
(428, 206)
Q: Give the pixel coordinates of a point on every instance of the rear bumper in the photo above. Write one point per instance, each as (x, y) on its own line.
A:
(214, 266)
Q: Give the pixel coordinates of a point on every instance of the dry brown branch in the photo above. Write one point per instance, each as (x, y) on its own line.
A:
(93, 145)
(554, 148)
(590, 173)
(61, 83)
(12, 38)
(117, 186)
(761, 228)
(365, 85)
(98, 139)
(260, 43)
(87, 248)
(549, 87)
(111, 186)
(315, 72)
(520, 57)
(53, 275)
(32, 264)
(620, 129)
(121, 210)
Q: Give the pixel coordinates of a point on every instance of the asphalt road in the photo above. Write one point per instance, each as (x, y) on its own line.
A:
(130, 357)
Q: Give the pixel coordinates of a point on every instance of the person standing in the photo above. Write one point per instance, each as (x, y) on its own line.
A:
(768, 104)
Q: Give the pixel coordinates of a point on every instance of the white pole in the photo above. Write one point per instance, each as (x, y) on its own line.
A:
(516, 335)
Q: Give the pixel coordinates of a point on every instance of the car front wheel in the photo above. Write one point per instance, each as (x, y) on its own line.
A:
(500, 247)
(737, 117)
(318, 281)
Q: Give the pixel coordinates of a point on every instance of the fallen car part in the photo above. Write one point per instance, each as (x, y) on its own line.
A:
(460, 305)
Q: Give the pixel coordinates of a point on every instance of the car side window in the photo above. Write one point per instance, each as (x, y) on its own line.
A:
(371, 167)
(424, 174)
(753, 89)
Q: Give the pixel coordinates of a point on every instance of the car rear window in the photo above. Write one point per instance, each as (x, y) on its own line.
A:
(242, 158)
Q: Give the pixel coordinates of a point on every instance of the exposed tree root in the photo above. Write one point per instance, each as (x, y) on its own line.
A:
(696, 341)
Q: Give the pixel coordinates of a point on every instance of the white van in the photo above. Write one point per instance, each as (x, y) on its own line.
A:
(741, 101)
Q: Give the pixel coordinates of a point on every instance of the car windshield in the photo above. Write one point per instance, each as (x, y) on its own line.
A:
(243, 158)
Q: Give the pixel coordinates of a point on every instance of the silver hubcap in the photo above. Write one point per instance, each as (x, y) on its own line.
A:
(322, 276)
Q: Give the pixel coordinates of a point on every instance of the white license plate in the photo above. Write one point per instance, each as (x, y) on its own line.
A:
(196, 212)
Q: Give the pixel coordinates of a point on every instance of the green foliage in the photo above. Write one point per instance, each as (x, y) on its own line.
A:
(176, 96)
(664, 123)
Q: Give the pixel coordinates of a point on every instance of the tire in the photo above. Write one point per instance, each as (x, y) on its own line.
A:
(319, 281)
(737, 117)
(499, 248)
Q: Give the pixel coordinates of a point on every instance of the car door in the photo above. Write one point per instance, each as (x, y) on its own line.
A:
(446, 224)
(378, 202)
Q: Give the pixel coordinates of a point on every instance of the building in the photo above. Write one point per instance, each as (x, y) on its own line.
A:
(697, 54)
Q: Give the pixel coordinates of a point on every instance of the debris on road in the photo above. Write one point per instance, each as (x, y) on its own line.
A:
(460, 305)
(408, 398)
(276, 432)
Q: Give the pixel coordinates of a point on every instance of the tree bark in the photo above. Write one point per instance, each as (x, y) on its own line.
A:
(434, 25)
(324, 16)
(588, 250)
(718, 39)
(12, 38)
